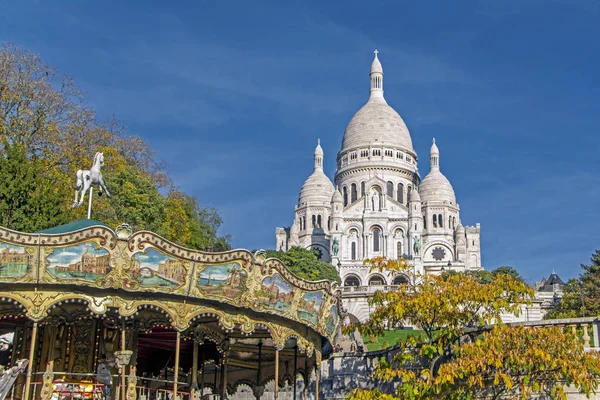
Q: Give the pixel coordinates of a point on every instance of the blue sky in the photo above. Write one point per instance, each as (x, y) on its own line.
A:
(233, 96)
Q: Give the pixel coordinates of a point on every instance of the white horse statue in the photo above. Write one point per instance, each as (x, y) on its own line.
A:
(87, 178)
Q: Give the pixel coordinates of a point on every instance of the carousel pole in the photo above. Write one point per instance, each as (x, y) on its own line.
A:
(259, 362)
(306, 376)
(317, 376)
(276, 373)
(295, 366)
(123, 386)
(31, 358)
(224, 377)
(203, 370)
(195, 366)
(89, 215)
(176, 371)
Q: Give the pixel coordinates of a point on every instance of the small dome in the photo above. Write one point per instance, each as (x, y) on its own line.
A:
(436, 187)
(414, 196)
(376, 65)
(434, 149)
(319, 149)
(460, 228)
(337, 197)
(317, 189)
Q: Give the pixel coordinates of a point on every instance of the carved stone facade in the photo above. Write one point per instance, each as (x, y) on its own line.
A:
(379, 205)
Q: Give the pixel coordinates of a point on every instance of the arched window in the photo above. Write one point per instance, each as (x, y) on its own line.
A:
(319, 221)
(362, 189)
(408, 190)
(376, 280)
(352, 280)
(424, 222)
(390, 189)
(400, 280)
(353, 193)
(329, 222)
(434, 221)
(376, 239)
(398, 249)
(440, 221)
(314, 221)
(345, 196)
(400, 193)
(453, 222)
(353, 251)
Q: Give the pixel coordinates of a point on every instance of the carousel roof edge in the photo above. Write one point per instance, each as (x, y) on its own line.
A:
(73, 227)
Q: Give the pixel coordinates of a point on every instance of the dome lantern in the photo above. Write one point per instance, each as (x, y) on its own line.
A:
(376, 77)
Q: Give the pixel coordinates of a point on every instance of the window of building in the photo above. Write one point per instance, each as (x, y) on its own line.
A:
(424, 222)
(400, 193)
(353, 193)
(319, 221)
(345, 196)
(400, 280)
(353, 156)
(398, 249)
(364, 153)
(376, 239)
(408, 190)
(376, 280)
(314, 221)
(362, 189)
(376, 152)
(434, 221)
(440, 220)
(352, 280)
(399, 155)
(390, 189)
(353, 251)
(389, 153)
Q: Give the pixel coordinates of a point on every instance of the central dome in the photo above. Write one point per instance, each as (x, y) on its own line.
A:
(376, 123)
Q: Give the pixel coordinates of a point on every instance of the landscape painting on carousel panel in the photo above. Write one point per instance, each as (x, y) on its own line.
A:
(309, 306)
(84, 261)
(227, 280)
(154, 269)
(332, 320)
(14, 261)
(275, 293)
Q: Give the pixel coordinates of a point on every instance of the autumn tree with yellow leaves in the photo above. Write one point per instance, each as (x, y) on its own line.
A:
(47, 134)
(463, 350)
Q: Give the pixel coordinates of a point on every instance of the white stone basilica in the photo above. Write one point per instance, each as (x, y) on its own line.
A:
(379, 205)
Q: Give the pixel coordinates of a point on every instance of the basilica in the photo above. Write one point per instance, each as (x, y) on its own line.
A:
(378, 205)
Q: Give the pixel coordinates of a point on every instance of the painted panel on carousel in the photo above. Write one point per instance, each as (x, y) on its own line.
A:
(86, 261)
(275, 293)
(309, 306)
(14, 261)
(332, 320)
(152, 268)
(227, 280)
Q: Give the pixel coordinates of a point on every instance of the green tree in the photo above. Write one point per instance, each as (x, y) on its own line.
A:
(27, 198)
(305, 263)
(453, 310)
(506, 270)
(46, 135)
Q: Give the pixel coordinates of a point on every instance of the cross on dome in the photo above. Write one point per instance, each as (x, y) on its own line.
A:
(376, 52)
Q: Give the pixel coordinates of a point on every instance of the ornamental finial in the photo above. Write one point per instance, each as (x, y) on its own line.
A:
(376, 52)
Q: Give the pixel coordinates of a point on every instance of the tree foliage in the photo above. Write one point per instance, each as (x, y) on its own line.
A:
(451, 358)
(46, 135)
(305, 263)
(581, 297)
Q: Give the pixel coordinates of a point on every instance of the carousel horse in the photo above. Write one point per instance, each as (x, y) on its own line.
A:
(88, 178)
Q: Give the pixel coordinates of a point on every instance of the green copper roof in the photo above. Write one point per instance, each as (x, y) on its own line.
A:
(73, 226)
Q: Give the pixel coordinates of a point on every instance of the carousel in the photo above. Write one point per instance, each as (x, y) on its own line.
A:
(112, 314)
